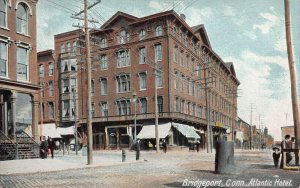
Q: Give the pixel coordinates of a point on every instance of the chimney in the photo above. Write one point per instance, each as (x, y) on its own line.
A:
(182, 16)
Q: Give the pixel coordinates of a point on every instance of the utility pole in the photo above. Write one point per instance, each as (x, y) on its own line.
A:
(156, 109)
(292, 75)
(251, 136)
(75, 121)
(207, 101)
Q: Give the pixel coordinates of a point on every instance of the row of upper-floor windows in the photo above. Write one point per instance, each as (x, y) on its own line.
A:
(187, 41)
(22, 16)
(47, 86)
(42, 70)
(122, 107)
(187, 61)
(68, 47)
(22, 61)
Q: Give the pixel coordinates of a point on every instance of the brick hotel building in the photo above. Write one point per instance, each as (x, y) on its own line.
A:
(18, 63)
(125, 51)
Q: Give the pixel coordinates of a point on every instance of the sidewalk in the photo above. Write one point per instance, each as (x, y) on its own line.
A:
(66, 162)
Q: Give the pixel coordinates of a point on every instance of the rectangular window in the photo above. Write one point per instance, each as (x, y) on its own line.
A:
(198, 70)
(92, 87)
(175, 54)
(181, 59)
(3, 59)
(73, 84)
(158, 52)
(123, 83)
(51, 110)
(182, 106)
(176, 104)
(104, 109)
(199, 91)
(142, 55)
(103, 82)
(65, 86)
(159, 79)
(193, 109)
(22, 58)
(182, 80)
(73, 64)
(143, 80)
(41, 71)
(143, 105)
(160, 103)
(66, 109)
(103, 64)
(188, 86)
(189, 108)
(199, 111)
(187, 61)
(123, 58)
(123, 107)
(50, 88)
(3, 12)
(176, 80)
(193, 88)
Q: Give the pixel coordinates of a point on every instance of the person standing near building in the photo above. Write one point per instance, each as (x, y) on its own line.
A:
(286, 144)
(276, 156)
(51, 146)
(164, 145)
(138, 149)
(44, 148)
(197, 145)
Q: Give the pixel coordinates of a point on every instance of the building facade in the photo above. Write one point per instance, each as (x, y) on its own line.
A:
(18, 62)
(129, 55)
(47, 82)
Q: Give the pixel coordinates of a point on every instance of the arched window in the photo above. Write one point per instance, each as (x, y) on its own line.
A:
(41, 70)
(68, 47)
(50, 69)
(3, 13)
(62, 48)
(158, 30)
(74, 46)
(22, 19)
(124, 37)
(142, 34)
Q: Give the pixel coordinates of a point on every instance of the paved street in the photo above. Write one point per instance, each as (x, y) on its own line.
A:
(174, 169)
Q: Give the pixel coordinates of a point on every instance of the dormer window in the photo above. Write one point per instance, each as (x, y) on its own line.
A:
(158, 30)
(124, 37)
(22, 19)
(142, 34)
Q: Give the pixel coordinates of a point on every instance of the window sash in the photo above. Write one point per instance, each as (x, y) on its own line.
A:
(22, 58)
(103, 62)
(103, 86)
(158, 52)
(142, 81)
(3, 59)
(142, 55)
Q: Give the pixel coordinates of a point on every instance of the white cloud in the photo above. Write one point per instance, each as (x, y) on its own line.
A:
(270, 21)
(253, 71)
(228, 11)
(251, 35)
(252, 57)
(158, 6)
(280, 44)
(207, 12)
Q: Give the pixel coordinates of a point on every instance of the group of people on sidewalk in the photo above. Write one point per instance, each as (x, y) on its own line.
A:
(287, 143)
(46, 147)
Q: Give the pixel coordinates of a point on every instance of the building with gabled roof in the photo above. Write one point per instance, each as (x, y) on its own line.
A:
(127, 52)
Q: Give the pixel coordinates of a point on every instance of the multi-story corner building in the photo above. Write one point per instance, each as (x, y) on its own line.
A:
(47, 82)
(129, 55)
(18, 62)
(245, 128)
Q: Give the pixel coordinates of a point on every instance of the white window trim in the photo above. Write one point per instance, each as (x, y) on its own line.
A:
(28, 47)
(139, 75)
(8, 42)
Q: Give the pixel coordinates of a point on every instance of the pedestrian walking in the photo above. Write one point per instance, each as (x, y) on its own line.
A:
(51, 146)
(44, 148)
(197, 145)
(286, 144)
(276, 156)
(138, 149)
(164, 145)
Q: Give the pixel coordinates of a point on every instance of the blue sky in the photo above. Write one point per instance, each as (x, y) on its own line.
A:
(249, 33)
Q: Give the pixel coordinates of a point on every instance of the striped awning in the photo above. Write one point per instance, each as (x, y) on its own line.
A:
(186, 130)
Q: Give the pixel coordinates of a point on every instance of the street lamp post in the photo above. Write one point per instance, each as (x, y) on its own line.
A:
(134, 100)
